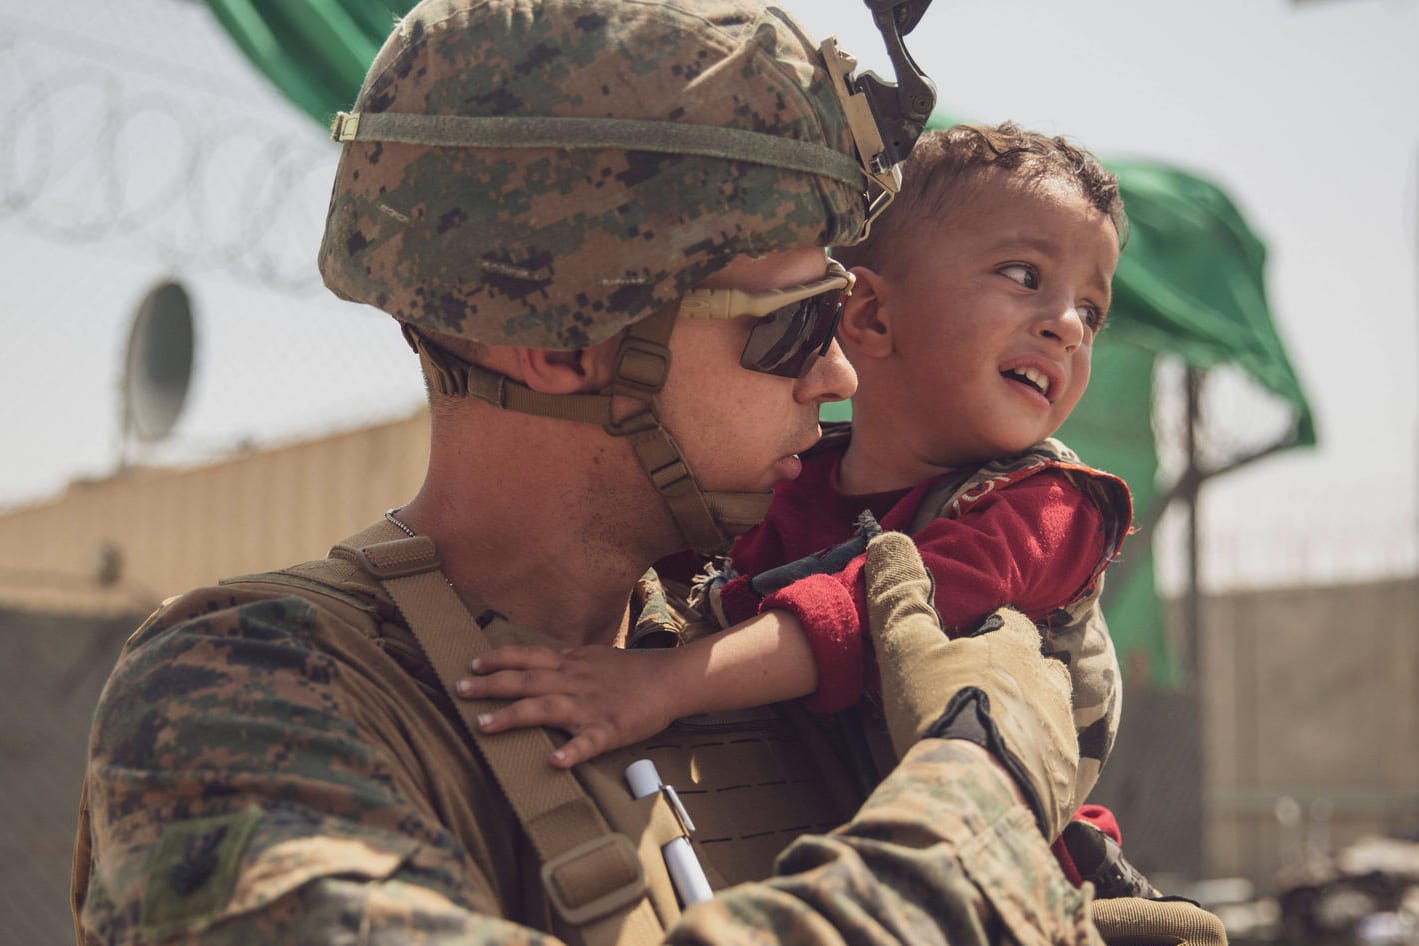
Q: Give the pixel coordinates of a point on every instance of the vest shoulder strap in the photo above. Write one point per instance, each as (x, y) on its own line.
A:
(1107, 491)
(592, 874)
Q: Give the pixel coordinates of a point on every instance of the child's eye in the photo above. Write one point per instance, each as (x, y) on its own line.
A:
(1093, 317)
(1022, 273)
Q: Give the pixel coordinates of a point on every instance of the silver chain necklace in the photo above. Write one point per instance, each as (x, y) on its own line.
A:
(389, 514)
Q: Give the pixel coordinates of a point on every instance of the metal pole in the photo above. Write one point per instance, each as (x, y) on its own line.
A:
(1192, 601)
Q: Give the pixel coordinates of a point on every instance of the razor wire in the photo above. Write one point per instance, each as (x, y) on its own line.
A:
(160, 160)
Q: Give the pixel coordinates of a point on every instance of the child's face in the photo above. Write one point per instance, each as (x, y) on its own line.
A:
(994, 317)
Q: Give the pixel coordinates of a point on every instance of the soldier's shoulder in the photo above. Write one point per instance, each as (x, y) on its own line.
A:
(205, 605)
(279, 604)
(214, 621)
(298, 596)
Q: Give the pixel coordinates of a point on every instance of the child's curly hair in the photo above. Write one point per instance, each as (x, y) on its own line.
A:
(945, 163)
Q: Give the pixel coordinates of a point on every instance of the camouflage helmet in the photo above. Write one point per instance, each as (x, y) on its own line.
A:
(715, 131)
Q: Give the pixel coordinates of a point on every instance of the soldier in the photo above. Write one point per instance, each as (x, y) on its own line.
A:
(532, 188)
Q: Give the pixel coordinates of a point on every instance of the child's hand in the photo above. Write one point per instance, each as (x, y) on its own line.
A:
(604, 696)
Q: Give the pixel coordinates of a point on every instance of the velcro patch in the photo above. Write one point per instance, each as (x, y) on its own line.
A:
(190, 877)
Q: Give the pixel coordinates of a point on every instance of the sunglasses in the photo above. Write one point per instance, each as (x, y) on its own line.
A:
(795, 326)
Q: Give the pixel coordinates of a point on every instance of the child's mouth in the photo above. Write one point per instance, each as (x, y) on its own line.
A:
(1029, 376)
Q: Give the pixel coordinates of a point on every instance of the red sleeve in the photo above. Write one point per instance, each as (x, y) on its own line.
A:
(826, 608)
(1035, 544)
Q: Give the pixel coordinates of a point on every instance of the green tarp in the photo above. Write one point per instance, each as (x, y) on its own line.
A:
(315, 51)
(1189, 284)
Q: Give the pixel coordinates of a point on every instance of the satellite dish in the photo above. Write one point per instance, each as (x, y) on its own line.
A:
(158, 367)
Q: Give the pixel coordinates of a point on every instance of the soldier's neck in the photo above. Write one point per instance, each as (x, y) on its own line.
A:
(544, 579)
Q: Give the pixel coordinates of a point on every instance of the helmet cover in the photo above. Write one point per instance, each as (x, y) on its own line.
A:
(558, 247)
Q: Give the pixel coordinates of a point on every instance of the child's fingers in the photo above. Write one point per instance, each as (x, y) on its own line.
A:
(587, 744)
(558, 711)
(511, 684)
(516, 657)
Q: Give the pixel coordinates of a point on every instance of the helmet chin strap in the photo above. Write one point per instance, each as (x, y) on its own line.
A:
(708, 519)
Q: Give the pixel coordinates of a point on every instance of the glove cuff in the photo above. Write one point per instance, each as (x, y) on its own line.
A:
(1100, 861)
(967, 716)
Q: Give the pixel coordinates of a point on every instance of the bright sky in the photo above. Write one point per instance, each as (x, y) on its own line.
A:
(1306, 113)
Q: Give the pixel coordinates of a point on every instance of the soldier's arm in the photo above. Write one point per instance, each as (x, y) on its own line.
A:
(942, 853)
(249, 782)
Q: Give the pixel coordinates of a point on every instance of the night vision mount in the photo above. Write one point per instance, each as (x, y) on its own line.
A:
(886, 119)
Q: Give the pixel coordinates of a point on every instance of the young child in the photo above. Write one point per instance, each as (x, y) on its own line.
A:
(979, 294)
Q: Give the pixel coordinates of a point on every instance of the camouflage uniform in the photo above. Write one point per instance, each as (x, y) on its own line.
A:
(269, 768)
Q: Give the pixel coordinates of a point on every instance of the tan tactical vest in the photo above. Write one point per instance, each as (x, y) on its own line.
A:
(750, 782)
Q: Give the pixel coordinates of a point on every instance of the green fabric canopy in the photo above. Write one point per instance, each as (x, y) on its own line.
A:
(315, 51)
(1190, 283)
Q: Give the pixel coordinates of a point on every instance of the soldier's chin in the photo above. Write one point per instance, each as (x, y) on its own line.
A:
(787, 468)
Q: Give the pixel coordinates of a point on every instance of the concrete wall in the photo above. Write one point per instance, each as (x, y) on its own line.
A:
(172, 530)
(1311, 694)
(52, 669)
(1304, 730)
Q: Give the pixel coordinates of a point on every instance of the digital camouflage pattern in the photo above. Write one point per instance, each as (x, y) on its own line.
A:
(269, 767)
(1076, 632)
(559, 248)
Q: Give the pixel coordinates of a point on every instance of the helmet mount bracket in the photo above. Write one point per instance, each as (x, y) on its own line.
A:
(900, 109)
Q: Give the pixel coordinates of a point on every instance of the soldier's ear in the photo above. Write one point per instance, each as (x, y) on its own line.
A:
(866, 326)
(551, 372)
(568, 372)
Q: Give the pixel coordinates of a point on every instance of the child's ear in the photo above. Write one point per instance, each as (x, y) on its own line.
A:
(866, 326)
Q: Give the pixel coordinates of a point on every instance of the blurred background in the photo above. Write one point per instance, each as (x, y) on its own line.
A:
(185, 401)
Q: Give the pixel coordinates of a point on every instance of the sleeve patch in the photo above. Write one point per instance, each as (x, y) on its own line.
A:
(193, 869)
(205, 870)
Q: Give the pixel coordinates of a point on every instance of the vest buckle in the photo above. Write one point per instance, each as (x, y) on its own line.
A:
(594, 879)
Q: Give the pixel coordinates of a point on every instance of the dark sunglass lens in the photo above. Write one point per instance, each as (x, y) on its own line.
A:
(786, 341)
(829, 310)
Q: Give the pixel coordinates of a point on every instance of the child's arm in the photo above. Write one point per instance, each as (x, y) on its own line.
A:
(607, 697)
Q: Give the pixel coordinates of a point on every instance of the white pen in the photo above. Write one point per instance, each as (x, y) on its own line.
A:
(685, 871)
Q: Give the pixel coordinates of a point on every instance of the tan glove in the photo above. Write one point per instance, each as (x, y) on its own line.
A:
(1127, 908)
(1134, 921)
(993, 688)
